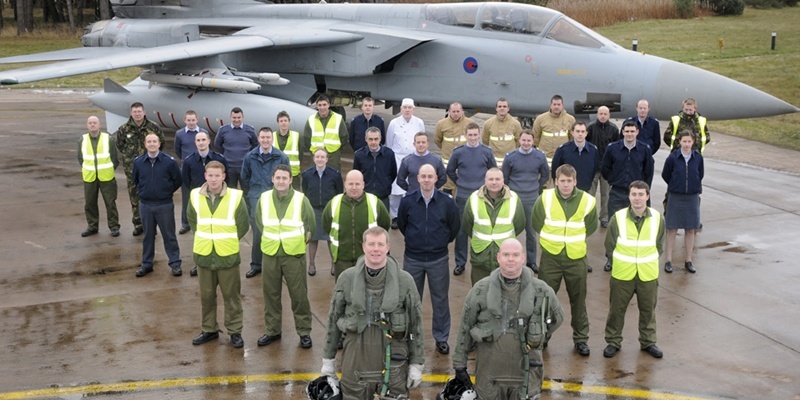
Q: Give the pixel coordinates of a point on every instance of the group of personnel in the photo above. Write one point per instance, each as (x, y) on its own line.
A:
(485, 187)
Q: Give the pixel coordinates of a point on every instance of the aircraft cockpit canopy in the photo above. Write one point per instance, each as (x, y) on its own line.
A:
(513, 18)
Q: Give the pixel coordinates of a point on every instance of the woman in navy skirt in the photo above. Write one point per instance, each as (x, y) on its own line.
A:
(320, 184)
(683, 173)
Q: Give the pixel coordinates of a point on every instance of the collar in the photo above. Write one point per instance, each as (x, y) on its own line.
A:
(526, 152)
(261, 151)
(222, 193)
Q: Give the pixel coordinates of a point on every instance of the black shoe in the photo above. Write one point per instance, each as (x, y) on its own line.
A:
(142, 271)
(443, 347)
(654, 351)
(236, 341)
(305, 342)
(607, 267)
(205, 337)
(89, 232)
(115, 232)
(267, 339)
(668, 267)
(193, 272)
(252, 273)
(394, 223)
(138, 231)
(690, 267)
(183, 230)
(459, 269)
(610, 351)
(533, 267)
(589, 269)
(177, 271)
(582, 348)
(312, 270)
(341, 343)
(604, 224)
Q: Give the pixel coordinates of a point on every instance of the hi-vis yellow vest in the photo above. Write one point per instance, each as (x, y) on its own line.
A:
(336, 204)
(558, 232)
(636, 251)
(676, 120)
(104, 170)
(216, 231)
(292, 150)
(289, 231)
(327, 136)
(483, 232)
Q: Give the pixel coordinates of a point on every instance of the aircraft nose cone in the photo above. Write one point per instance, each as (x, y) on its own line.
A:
(718, 97)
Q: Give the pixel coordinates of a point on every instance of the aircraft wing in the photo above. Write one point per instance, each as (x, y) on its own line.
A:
(90, 61)
(67, 54)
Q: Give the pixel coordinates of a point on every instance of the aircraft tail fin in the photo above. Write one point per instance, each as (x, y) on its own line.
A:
(109, 86)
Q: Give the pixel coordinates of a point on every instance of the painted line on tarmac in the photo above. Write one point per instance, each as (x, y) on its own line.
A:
(138, 386)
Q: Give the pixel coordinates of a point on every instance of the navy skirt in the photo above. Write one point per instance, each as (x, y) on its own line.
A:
(683, 211)
(319, 234)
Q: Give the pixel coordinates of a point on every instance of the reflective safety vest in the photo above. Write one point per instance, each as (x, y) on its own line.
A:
(97, 166)
(558, 232)
(676, 120)
(216, 231)
(289, 231)
(292, 150)
(483, 231)
(636, 251)
(336, 204)
(451, 143)
(327, 136)
(502, 145)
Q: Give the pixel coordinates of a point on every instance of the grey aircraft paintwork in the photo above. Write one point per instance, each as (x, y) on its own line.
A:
(285, 55)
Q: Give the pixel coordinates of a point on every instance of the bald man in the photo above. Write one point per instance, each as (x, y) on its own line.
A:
(347, 216)
(97, 154)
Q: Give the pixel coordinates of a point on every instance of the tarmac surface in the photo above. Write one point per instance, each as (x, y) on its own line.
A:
(77, 323)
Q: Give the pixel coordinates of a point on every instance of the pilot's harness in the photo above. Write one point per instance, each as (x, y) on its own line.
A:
(387, 334)
(526, 348)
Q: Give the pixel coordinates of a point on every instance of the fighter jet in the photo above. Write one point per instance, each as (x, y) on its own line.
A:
(212, 55)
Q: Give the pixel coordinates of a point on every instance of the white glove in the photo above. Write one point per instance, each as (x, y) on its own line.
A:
(329, 367)
(414, 376)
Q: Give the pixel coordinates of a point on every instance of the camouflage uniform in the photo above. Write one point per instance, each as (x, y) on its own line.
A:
(130, 144)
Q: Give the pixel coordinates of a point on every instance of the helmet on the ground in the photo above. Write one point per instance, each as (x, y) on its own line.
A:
(323, 388)
(455, 390)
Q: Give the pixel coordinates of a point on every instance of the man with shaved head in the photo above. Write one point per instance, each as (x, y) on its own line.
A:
(347, 216)
(510, 314)
(429, 220)
(97, 154)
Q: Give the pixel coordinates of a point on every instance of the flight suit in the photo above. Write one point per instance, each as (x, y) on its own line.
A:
(367, 308)
(502, 318)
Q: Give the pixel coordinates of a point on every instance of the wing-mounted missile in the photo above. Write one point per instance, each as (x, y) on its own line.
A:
(221, 82)
(266, 78)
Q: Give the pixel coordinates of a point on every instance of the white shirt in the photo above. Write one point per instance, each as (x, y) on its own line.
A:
(400, 138)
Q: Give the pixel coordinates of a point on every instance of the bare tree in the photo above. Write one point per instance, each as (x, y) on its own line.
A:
(70, 15)
(24, 16)
(105, 9)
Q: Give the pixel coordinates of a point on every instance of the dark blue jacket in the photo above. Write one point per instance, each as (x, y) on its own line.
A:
(156, 181)
(379, 171)
(621, 166)
(257, 170)
(586, 162)
(682, 178)
(358, 130)
(194, 168)
(649, 132)
(428, 229)
(320, 191)
(602, 134)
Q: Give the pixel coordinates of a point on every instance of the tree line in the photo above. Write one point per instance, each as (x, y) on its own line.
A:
(77, 13)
